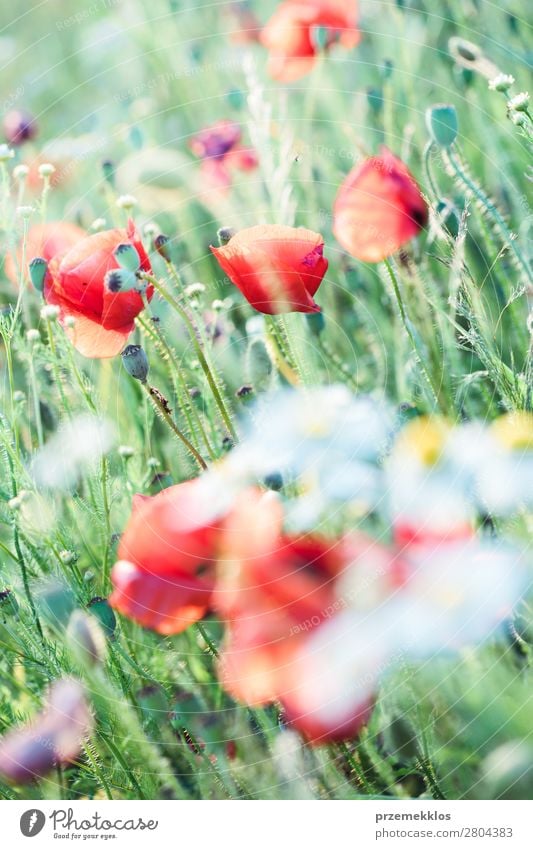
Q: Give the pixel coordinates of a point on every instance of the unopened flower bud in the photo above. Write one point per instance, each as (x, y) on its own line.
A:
(68, 557)
(6, 153)
(320, 37)
(135, 362)
(162, 246)
(126, 451)
(69, 321)
(97, 225)
(21, 172)
(224, 234)
(25, 211)
(86, 638)
(50, 312)
(19, 397)
(441, 121)
(100, 608)
(46, 170)
(33, 335)
(127, 256)
(19, 126)
(108, 170)
(38, 268)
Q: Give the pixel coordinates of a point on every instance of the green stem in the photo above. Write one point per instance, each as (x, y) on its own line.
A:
(201, 356)
(492, 210)
(160, 403)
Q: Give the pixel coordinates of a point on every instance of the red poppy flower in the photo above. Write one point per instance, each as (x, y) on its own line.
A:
(165, 574)
(46, 241)
(75, 283)
(278, 269)
(291, 39)
(378, 208)
(219, 148)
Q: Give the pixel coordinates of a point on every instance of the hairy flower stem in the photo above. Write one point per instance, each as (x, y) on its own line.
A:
(154, 331)
(493, 212)
(409, 330)
(161, 405)
(199, 352)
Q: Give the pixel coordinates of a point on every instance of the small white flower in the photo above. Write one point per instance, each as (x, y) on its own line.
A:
(519, 102)
(25, 211)
(98, 224)
(195, 289)
(33, 335)
(126, 202)
(502, 82)
(126, 451)
(70, 321)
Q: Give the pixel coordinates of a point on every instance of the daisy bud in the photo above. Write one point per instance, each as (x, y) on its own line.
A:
(98, 225)
(25, 211)
(21, 172)
(441, 121)
(33, 335)
(68, 557)
(50, 312)
(100, 608)
(120, 280)
(135, 362)
(126, 451)
(69, 321)
(6, 153)
(127, 256)
(224, 234)
(86, 638)
(38, 268)
(46, 170)
(162, 246)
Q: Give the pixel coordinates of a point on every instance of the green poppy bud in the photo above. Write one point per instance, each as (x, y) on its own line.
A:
(441, 121)
(162, 246)
(135, 362)
(127, 257)
(101, 609)
(38, 268)
(224, 234)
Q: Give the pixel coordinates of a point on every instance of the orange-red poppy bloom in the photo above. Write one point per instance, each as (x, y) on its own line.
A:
(293, 38)
(45, 240)
(75, 283)
(278, 269)
(219, 147)
(165, 574)
(378, 208)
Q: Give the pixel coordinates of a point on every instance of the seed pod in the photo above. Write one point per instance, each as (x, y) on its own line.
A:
(135, 362)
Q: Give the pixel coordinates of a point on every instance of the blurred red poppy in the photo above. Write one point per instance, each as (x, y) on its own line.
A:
(75, 283)
(378, 208)
(219, 148)
(293, 39)
(278, 269)
(165, 574)
(45, 240)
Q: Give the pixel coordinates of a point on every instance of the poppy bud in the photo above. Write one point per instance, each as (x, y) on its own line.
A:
(19, 126)
(85, 638)
(135, 362)
(319, 37)
(120, 280)
(127, 256)
(441, 121)
(38, 268)
(104, 613)
(162, 246)
(108, 170)
(224, 234)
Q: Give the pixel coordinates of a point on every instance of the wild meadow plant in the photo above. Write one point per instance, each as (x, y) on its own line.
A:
(266, 421)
